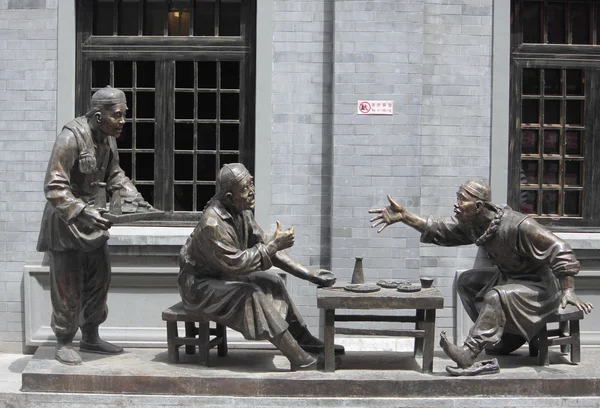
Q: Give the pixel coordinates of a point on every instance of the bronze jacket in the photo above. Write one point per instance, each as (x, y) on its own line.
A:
(69, 190)
(530, 260)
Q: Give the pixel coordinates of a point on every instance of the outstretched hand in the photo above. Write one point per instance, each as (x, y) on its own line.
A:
(569, 297)
(388, 215)
(323, 277)
(283, 239)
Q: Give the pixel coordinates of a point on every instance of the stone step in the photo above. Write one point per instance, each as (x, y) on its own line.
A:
(265, 374)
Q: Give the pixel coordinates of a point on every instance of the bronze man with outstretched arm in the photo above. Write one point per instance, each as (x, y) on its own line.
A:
(534, 275)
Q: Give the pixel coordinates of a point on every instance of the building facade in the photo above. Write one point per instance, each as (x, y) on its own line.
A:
(275, 84)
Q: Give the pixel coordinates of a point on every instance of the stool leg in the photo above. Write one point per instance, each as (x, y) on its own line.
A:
(576, 341)
(543, 359)
(171, 346)
(563, 329)
(222, 333)
(203, 340)
(190, 329)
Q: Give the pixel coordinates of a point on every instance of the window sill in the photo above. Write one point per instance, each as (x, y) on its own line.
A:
(149, 235)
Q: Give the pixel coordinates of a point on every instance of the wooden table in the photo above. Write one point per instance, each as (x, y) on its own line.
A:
(425, 302)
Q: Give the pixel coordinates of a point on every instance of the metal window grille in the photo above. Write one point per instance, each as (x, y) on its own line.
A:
(186, 68)
(555, 86)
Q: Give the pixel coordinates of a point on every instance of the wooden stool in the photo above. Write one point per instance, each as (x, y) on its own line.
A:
(194, 336)
(567, 335)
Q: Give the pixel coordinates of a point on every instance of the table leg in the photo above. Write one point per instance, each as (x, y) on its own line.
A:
(429, 326)
(420, 316)
(329, 339)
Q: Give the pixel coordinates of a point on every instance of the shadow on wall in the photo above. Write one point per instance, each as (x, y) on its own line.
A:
(327, 142)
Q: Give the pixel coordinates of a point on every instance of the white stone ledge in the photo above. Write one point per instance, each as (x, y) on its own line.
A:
(581, 240)
(120, 235)
(126, 235)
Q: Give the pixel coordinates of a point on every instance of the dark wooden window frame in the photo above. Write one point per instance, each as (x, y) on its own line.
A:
(166, 51)
(561, 56)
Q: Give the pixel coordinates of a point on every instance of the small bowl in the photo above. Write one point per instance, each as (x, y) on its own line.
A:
(426, 282)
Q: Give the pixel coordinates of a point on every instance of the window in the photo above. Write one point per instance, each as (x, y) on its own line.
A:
(187, 69)
(555, 81)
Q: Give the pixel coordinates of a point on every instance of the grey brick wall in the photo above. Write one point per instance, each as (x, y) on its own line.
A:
(433, 59)
(301, 138)
(28, 56)
(455, 124)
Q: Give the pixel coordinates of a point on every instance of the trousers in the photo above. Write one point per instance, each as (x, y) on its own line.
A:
(79, 283)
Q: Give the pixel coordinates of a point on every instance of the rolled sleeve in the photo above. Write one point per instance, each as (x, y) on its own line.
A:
(444, 232)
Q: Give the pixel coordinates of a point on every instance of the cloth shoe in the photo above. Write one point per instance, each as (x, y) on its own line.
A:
(92, 343)
(311, 344)
(65, 353)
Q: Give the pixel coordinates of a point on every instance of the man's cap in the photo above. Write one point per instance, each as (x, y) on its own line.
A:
(230, 174)
(108, 96)
(478, 189)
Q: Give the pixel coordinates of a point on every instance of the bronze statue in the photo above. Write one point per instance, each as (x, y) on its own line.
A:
(223, 272)
(534, 276)
(83, 167)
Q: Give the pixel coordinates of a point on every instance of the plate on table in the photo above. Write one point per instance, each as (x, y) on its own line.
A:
(362, 288)
(391, 284)
(409, 287)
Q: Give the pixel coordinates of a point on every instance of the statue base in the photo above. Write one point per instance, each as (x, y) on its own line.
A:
(265, 373)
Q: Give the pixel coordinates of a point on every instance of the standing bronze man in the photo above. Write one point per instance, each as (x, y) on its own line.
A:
(534, 276)
(74, 232)
(224, 272)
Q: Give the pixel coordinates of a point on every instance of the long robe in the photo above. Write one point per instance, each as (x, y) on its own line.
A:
(529, 258)
(224, 276)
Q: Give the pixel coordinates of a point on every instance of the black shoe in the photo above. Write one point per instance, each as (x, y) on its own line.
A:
(311, 344)
(99, 347)
(463, 356)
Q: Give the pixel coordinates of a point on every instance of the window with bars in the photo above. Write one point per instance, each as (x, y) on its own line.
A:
(554, 82)
(186, 68)
(167, 17)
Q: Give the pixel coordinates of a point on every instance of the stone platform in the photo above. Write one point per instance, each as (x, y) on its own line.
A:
(265, 374)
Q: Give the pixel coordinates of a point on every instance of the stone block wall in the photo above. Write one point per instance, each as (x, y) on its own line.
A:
(28, 59)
